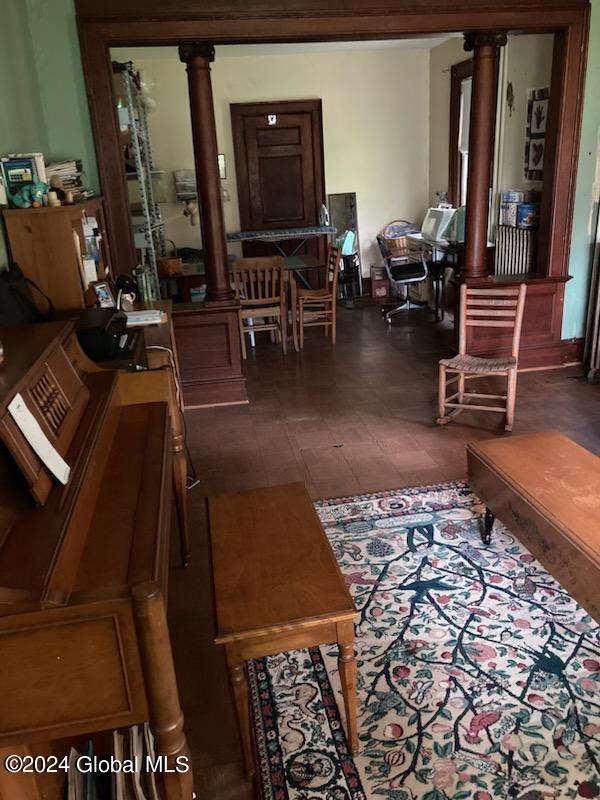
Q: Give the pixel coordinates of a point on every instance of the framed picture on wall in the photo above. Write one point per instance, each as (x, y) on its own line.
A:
(535, 133)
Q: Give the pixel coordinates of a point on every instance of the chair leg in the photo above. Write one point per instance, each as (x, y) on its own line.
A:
(333, 323)
(295, 328)
(511, 395)
(283, 336)
(442, 418)
(301, 315)
(461, 387)
(242, 338)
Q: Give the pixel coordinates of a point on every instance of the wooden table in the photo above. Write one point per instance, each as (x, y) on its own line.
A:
(546, 489)
(278, 587)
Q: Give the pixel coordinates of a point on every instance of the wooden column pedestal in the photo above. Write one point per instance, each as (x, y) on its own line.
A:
(208, 341)
(208, 349)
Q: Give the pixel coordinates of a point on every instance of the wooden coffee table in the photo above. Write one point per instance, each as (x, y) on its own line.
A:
(546, 490)
(278, 587)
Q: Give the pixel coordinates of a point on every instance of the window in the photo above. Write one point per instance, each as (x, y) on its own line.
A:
(460, 112)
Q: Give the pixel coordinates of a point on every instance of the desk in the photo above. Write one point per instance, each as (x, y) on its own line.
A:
(192, 273)
(277, 587)
(420, 248)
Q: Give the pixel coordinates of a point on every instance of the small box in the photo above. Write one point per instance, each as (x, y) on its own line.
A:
(380, 285)
(508, 214)
(528, 215)
(512, 196)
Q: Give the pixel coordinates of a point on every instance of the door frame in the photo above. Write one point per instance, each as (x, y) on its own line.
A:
(458, 72)
(114, 23)
(315, 108)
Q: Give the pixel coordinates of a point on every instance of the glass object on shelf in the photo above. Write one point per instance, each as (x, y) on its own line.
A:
(146, 282)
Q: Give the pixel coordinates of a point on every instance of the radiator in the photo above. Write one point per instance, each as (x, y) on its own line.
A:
(515, 250)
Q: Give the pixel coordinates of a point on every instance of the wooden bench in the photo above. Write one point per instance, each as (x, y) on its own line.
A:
(546, 489)
(278, 587)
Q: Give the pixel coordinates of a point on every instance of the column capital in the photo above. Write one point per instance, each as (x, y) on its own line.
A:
(475, 39)
(196, 49)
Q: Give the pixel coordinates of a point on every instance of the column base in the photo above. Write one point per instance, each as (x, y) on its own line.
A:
(208, 350)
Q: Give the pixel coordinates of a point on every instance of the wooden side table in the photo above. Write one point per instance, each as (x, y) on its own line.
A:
(278, 587)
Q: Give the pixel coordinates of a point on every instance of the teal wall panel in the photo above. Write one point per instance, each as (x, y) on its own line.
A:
(44, 108)
(586, 196)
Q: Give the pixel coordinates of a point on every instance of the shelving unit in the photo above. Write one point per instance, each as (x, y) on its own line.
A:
(148, 225)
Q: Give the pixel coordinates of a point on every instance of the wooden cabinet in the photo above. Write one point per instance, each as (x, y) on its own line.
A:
(42, 242)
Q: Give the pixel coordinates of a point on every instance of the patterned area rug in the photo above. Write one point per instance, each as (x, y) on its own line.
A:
(479, 677)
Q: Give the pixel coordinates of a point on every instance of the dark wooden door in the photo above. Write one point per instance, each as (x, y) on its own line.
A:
(279, 166)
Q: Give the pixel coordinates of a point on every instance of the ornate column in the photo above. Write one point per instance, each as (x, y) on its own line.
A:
(198, 56)
(484, 45)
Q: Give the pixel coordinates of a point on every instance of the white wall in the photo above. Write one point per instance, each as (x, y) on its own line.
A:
(375, 126)
(527, 65)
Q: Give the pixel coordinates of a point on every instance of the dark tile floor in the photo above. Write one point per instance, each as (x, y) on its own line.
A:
(353, 418)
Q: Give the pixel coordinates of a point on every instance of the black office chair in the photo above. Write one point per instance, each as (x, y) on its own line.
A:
(401, 273)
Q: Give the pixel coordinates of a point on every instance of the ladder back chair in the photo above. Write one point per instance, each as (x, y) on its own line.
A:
(259, 285)
(497, 307)
(317, 307)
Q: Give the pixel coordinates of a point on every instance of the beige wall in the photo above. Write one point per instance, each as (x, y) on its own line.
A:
(375, 126)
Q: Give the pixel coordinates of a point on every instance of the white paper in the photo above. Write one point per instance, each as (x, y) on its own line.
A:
(43, 447)
(89, 271)
(89, 223)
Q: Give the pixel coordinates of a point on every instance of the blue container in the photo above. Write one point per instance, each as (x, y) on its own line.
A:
(528, 215)
(514, 196)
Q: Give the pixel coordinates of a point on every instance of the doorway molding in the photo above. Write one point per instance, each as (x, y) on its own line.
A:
(118, 23)
(115, 23)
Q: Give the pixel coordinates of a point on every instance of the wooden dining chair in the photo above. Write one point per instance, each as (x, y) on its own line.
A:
(317, 307)
(259, 285)
(500, 308)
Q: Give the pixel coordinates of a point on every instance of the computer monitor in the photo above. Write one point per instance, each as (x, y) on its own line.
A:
(436, 223)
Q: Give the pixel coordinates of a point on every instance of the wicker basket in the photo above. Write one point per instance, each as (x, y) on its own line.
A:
(398, 245)
(168, 266)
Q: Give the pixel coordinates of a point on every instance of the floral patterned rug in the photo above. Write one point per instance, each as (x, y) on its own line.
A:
(479, 677)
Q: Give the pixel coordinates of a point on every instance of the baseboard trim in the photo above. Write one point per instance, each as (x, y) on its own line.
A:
(206, 394)
(555, 354)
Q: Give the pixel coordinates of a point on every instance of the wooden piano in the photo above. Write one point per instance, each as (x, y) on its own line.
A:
(84, 643)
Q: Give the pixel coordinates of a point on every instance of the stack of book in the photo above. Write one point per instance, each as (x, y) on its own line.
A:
(72, 176)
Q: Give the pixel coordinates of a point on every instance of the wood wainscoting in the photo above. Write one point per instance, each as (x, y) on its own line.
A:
(541, 343)
(208, 350)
